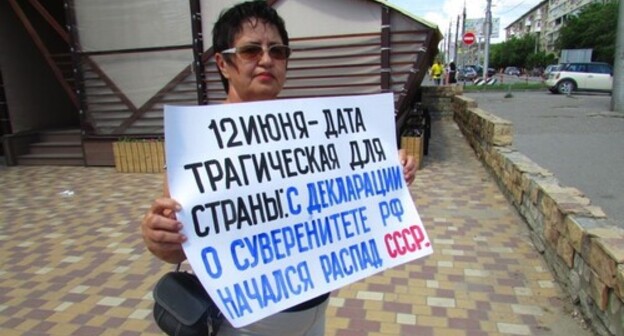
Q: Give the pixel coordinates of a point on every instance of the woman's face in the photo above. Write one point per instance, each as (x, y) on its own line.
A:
(251, 80)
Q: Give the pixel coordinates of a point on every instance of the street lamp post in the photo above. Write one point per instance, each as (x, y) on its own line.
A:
(617, 96)
(488, 28)
(464, 51)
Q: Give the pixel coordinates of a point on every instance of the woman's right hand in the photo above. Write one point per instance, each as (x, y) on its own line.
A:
(161, 231)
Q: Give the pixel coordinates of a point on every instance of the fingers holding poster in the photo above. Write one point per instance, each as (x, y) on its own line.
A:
(286, 200)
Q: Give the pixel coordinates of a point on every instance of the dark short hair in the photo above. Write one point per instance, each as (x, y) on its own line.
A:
(230, 23)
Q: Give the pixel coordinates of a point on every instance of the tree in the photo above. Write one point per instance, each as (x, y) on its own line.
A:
(514, 52)
(592, 28)
(539, 60)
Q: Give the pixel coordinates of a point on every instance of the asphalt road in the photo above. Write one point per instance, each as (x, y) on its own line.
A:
(501, 79)
(576, 137)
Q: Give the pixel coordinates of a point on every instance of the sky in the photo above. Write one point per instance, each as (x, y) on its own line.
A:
(442, 12)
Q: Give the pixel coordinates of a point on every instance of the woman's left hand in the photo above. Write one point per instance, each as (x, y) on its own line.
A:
(409, 166)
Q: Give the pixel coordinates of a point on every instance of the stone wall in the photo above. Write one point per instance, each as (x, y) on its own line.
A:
(585, 253)
(439, 99)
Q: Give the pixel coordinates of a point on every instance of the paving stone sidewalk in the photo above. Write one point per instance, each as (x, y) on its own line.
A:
(73, 262)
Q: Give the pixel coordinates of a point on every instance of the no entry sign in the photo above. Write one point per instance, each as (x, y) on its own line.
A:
(469, 38)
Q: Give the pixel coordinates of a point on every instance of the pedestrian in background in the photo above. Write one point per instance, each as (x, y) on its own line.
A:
(436, 72)
(452, 73)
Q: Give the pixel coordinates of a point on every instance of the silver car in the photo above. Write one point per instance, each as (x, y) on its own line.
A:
(466, 74)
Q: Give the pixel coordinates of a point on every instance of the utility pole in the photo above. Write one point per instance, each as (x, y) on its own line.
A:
(617, 96)
(488, 28)
(456, 41)
(479, 47)
(450, 38)
(462, 34)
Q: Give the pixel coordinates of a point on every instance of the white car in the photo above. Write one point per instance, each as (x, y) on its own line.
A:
(581, 77)
(550, 68)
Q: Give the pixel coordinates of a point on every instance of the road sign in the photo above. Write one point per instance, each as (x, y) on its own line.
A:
(468, 38)
(476, 26)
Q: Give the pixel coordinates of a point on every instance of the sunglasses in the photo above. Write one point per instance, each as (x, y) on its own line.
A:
(253, 52)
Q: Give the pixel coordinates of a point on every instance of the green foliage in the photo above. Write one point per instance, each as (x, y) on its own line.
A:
(593, 28)
(519, 52)
(440, 56)
(540, 60)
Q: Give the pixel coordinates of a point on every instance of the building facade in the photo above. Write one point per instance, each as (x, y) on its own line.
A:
(534, 22)
(545, 21)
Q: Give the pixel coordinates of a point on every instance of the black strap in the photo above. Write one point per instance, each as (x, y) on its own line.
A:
(308, 304)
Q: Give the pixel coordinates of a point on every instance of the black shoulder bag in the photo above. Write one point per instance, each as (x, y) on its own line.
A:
(183, 308)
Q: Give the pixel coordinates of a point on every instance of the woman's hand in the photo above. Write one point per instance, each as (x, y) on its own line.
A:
(409, 166)
(161, 231)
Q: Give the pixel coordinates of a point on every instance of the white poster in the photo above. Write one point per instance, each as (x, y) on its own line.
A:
(286, 200)
(476, 26)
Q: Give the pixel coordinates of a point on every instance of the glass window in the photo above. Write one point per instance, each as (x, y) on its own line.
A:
(599, 68)
(576, 67)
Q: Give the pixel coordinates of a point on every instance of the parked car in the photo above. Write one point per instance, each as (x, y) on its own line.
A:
(466, 74)
(550, 68)
(479, 70)
(571, 77)
(512, 71)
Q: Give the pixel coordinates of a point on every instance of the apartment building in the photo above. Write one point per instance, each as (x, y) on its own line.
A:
(545, 20)
(534, 21)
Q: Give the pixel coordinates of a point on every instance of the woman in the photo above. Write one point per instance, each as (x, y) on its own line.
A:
(251, 53)
(452, 74)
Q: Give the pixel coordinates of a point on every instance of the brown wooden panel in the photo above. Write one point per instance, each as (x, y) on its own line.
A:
(332, 37)
(134, 50)
(99, 152)
(350, 85)
(330, 94)
(333, 57)
(300, 49)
